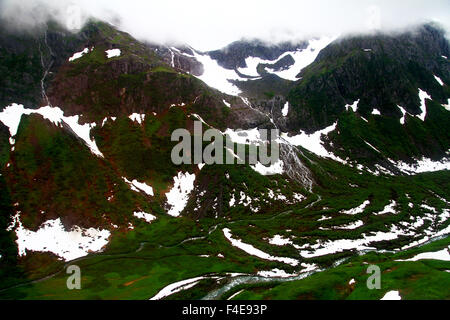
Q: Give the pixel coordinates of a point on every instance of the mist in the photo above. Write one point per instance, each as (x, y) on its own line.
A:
(211, 24)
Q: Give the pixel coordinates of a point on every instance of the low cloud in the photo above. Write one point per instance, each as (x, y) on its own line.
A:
(207, 24)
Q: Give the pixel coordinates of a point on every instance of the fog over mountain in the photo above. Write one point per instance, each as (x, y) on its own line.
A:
(209, 25)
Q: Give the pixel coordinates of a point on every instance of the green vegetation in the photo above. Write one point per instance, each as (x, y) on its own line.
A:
(69, 182)
(52, 174)
(424, 279)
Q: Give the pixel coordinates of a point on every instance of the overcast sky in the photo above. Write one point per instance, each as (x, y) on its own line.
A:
(211, 24)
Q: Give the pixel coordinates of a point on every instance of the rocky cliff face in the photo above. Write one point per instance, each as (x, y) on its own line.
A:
(233, 56)
(382, 71)
(91, 147)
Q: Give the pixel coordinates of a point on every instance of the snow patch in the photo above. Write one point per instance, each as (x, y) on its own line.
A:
(404, 112)
(139, 186)
(313, 142)
(52, 237)
(285, 109)
(218, 77)
(423, 95)
(12, 114)
(376, 112)
(178, 196)
(443, 255)
(275, 273)
(353, 106)
(146, 216)
(113, 53)
(422, 165)
(232, 201)
(177, 287)
(279, 240)
(350, 226)
(357, 210)
(322, 248)
(136, 117)
(255, 252)
(251, 136)
(276, 168)
(447, 106)
(78, 55)
(389, 208)
(303, 58)
(252, 66)
(392, 295)
(439, 80)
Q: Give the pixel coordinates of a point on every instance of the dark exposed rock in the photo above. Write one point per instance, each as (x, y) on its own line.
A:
(233, 56)
(383, 71)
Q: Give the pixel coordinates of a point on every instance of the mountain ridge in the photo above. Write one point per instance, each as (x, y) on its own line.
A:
(85, 145)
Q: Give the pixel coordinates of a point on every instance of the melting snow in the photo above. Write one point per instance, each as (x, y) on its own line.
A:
(52, 237)
(251, 136)
(390, 208)
(139, 186)
(423, 95)
(279, 240)
(303, 58)
(78, 55)
(143, 186)
(353, 106)
(256, 252)
(404, 112)
(423, 165)
(443, 255)
(351, 226)
(201, 165)
(146, 216)
(113, 53)
(178, 196)
(12, 114)
(275, 273)
(276, 168)
(392, 295)
(285, 109)
(232, 201)
(322, 248)
(252, 65)
(358, 209)
(136, 117)
(177, 287)
(439, 80)
(376, 112)
(447, 106)
(216, 76)
(313, 142)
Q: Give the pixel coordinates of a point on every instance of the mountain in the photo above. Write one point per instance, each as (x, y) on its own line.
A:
(85, 159)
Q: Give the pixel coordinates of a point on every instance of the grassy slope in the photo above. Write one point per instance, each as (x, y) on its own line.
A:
(60, 165)
(424, 279)
(122, 273)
